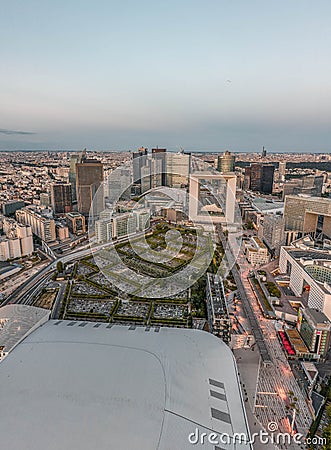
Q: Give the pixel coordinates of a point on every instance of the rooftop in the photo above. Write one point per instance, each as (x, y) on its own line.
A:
(264, 205)
(296, 341)
(16, 321)
(218, 301)
(81, 385)
(318, 317)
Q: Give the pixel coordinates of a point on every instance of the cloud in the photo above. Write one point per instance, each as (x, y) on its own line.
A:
(5, 131)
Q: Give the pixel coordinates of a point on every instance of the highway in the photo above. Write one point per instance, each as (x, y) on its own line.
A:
(26, 292)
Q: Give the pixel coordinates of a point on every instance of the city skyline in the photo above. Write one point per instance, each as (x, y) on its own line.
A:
(232, 249)
(204, 76)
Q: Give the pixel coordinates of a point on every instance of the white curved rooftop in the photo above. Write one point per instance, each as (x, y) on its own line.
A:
(79, 385)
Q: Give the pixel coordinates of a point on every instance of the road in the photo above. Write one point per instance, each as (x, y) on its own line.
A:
(249, 313)
(27, 291)
(276, 384)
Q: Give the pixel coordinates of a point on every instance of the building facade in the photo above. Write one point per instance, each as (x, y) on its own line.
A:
(61, 198)
(178, 168)
(41, 226)
(307, 215)
(18, 241)
(226, 162)
(89, 178)
(9, 208)
(309, 270)
(271, 231)
(256, 252)
(315, 328)
(76, 223)
(259, 178)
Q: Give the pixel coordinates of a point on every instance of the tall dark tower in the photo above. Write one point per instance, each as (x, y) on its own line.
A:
(72, 172)
(158, 173)
(264, 152)
(89, 177)
(61, 198)
(139, 159)
(260, 177)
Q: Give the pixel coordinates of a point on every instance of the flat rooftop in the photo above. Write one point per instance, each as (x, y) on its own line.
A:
(263, 205)
(81, 385)
(309, 254)
(296, 341)
(318, 317)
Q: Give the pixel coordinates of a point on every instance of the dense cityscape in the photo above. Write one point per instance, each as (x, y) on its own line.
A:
(93, 237)
(165, 225)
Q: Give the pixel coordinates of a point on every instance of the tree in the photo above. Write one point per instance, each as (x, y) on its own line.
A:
(59, 266)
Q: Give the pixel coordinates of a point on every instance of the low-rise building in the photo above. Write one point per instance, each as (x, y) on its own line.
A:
(62, 232)
(256, 252)
(315, 328)
(76, 223)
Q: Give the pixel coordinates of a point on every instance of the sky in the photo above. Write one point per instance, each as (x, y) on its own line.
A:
(204, 75)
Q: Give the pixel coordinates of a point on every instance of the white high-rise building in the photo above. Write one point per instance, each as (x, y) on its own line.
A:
(103, 230)
(4, 250)
(142, 219)
(178, 169)
(119, 185)
(43, 227)
(18, 241)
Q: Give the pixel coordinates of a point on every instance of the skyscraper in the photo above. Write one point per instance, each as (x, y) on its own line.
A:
(226, 162)
(178, 168)
(72, 172)
(253, 175)
(158, 167)
(89, 178)
(271, 231)
(260, 178)
(61, 198)
(138, 161)
(282, 170)
(267, 178)
(119, 185)
(152, 168)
